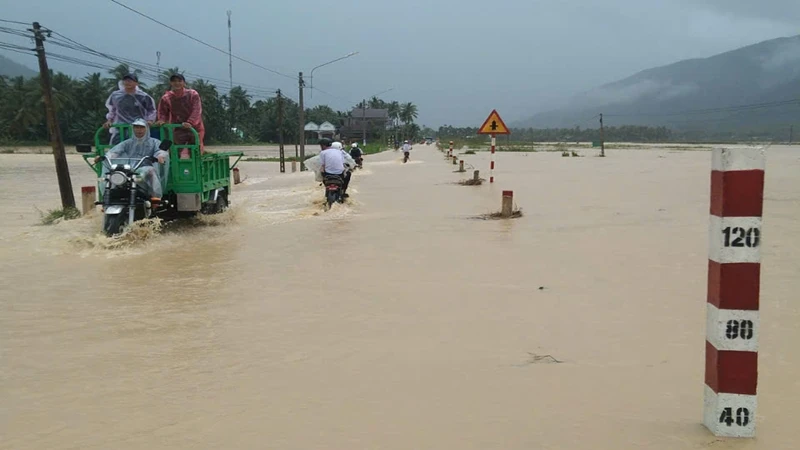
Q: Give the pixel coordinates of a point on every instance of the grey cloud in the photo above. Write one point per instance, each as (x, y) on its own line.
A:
(787, 11)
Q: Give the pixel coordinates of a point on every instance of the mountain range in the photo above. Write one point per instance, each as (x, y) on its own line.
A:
(12, 69)
(695, 93)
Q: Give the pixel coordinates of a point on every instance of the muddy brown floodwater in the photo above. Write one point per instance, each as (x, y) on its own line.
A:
(396, 321)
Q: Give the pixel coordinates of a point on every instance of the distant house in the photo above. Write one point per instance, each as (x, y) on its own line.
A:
(326, 129)
(373, 121)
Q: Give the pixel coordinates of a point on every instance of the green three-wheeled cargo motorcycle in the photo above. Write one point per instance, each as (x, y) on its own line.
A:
(191, 182)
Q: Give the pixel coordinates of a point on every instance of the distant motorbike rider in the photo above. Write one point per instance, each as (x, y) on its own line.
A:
(349, 166)
(127, 104)
(330, 159)
(136, 148)
(357, 154)
(406, 151)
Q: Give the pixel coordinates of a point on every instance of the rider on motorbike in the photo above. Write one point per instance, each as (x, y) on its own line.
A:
(349, 166)
(136, 148)
(406, 151)
(357, 154)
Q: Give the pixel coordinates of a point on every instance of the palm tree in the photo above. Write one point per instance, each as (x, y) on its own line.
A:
(123, 69)
(376, 103)
(238, 106)
(163, 82)
(408, 113)
(21, 106)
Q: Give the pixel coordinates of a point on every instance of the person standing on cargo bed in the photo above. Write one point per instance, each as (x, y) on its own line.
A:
(127, 104)
(182, 105)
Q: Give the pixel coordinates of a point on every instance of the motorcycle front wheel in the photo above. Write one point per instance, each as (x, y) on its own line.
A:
(113, 223)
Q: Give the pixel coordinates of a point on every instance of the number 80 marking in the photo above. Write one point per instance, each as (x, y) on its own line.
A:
(739, 329)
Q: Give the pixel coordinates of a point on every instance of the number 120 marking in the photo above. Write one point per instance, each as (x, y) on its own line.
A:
(750, 237)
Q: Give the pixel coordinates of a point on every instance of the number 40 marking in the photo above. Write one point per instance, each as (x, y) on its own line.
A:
(742, 417)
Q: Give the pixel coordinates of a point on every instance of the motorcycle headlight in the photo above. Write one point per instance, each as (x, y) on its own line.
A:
(118, 179)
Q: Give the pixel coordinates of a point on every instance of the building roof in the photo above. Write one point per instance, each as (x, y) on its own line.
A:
(369, 113)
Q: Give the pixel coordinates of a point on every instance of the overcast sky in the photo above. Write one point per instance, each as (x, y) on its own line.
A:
(456, 59)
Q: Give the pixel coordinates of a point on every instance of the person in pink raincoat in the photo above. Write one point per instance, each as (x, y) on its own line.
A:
(181, 105)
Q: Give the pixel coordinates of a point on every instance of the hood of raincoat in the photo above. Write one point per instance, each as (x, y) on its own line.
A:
(137, 148)
(129, 107)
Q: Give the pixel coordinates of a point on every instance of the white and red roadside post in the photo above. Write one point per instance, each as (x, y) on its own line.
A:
(493, 125)
(491, 167)
(734, 271)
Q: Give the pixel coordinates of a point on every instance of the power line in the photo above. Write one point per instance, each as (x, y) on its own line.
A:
(22, 33)
(16, 22)
(203, 42)
(152, 69)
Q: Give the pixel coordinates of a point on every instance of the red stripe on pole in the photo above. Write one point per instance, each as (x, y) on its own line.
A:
(508, 194)
(87, 189)
(734, 285)
(491, 179)
(731, 372)
(737, 193)
(492, 167)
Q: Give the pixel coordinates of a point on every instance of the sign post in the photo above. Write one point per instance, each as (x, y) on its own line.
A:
(493, 126)
(734, 268)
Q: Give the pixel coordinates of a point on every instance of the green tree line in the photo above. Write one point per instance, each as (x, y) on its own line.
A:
(630, 133)
(80, 108)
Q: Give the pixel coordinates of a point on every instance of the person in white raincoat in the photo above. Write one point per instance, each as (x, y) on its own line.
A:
(130, 151)
(349, 165)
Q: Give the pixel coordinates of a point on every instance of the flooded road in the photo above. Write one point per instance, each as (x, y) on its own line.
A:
(397, 321)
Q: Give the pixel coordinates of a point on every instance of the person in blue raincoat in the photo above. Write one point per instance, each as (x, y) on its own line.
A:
(127, 104)
(136, 148)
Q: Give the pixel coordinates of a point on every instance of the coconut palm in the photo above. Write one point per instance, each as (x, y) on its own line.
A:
(408, 113)
(123, 69)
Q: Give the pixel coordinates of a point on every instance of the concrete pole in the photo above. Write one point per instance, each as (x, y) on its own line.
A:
(732, 308)
(508, 202)
(59, 154)
(88, 195)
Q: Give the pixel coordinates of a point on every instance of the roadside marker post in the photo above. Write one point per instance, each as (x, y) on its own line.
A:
(493, 125)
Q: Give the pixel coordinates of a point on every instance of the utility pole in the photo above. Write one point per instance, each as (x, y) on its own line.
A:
(302, 125)
(158, 65)
(62, 169)
(280, 132)
(602, 138)
(230, 50)
(364, 122)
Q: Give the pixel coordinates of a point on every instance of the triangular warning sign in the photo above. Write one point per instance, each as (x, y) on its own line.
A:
(494, 125)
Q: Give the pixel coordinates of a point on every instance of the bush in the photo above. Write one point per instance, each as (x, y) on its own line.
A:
(57, 215)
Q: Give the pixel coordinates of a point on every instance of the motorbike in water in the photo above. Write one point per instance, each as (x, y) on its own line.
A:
(127, 196)
(333, 190)
(406, 155)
